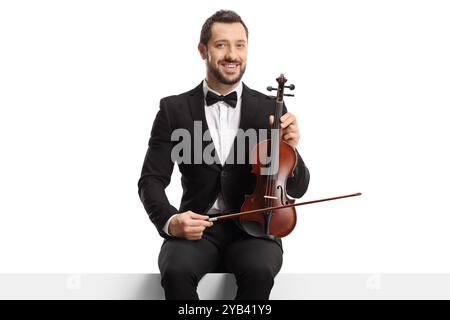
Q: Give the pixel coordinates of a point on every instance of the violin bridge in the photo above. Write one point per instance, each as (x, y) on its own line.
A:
(270, 197)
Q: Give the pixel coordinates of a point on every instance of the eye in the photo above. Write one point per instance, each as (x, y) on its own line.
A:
(220, 45)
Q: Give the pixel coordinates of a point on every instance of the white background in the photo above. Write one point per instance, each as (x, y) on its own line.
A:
(80, 83)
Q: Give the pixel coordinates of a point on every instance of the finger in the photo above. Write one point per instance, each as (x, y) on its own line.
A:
(271, 119)
(191, 230)
(291, 128)
(288, 121)
(194, 236)
(290, 136)
(197, 216)
(285, 116)
(198, 223)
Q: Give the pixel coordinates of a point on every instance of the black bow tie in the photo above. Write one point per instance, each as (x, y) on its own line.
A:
(230, 99)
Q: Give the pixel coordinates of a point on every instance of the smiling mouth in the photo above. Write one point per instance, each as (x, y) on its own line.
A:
(230, 66)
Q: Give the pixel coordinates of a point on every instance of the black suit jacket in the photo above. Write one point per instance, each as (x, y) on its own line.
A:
(202, 182)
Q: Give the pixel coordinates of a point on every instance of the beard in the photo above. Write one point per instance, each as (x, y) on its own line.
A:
(221, 78)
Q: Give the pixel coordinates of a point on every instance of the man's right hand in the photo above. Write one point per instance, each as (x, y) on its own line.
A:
(189, 225)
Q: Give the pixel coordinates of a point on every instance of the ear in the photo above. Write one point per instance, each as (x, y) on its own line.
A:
(203, 51)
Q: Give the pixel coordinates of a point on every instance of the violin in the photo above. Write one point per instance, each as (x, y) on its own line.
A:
(269, 212)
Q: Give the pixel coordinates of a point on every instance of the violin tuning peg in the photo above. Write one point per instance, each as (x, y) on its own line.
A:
(270, 88)
(290, 87)
(288, 95)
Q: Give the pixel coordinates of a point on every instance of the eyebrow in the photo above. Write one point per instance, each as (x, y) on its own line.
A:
(224, 40)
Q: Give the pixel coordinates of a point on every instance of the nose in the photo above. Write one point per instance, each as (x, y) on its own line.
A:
(231, 53)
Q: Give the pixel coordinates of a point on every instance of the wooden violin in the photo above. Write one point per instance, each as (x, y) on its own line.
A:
(269, 212)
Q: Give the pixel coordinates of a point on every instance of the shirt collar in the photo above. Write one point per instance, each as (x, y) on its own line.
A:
(238, 90)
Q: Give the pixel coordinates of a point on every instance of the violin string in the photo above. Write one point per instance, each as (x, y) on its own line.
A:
(269, 182)
(274, 147)
(274, 152)
(267, 185)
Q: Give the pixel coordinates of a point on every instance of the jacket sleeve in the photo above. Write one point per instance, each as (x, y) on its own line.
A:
(297, 185)
(156, 172)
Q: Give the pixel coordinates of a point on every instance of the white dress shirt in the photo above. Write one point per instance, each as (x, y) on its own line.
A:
(223, 124)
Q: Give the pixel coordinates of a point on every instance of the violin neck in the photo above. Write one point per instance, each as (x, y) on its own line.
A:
(278, 114)
(275, 140)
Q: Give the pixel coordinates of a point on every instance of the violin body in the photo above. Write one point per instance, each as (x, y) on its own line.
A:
(270, 191)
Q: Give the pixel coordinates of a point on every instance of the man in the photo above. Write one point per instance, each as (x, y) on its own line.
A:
(222, 105)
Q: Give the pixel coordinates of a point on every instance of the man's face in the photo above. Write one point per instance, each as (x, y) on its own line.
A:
(226, 55)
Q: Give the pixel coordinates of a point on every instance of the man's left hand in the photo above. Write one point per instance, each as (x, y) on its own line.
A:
(290, 132)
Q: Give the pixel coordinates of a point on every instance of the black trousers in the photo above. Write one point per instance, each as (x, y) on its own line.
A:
(225, 248)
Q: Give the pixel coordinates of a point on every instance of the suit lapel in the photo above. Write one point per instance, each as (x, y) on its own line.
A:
(196, 103)
(197, 107)
(248, 108)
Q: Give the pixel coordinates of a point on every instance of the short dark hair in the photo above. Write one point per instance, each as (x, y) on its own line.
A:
(226, 16)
